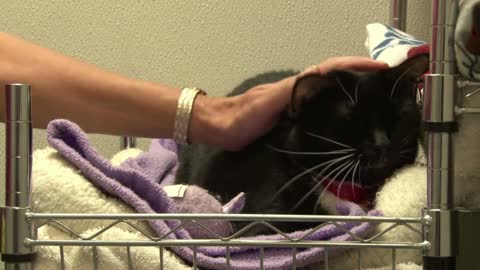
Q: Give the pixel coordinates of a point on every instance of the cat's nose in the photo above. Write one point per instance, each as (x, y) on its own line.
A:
(375, 153)
(375, 150)
(380, 138)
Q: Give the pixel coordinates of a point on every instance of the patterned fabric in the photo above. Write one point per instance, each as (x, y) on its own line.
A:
(473, 44)
(467, 39)
(390, 45)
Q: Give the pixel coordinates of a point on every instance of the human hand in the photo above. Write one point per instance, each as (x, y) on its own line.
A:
(358, 63)
(234, 122)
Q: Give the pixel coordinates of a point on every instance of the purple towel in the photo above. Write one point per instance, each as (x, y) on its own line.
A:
(138, 182)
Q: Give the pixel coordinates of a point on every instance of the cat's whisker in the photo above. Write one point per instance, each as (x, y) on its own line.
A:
(298, 176)
(353, 174)
(356, 91)
(340, 169)
(408, 150)
(329, 140)
(324, 170)
(409, 159)
(403, 74)
(342, 166)
(359, 180)
(405, 157)
(294, 179)
(334, 152)
(331, 181)
(343, 180)
(344, 90)
(405, 140)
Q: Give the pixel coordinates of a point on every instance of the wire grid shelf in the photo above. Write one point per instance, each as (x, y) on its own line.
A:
(165, 240)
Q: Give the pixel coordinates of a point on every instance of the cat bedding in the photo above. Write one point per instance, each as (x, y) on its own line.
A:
(145, 195)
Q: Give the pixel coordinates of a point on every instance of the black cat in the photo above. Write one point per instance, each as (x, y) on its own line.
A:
(349, 127)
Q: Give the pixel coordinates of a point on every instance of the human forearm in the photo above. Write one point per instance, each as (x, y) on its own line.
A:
(99, 101)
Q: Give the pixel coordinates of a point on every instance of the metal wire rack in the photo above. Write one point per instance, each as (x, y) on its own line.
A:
(233, 240)
(436, 227)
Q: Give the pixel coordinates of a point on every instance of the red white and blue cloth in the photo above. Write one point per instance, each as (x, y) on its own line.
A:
(393, 46)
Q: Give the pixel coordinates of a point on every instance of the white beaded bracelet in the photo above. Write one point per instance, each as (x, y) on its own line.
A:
(184, 113)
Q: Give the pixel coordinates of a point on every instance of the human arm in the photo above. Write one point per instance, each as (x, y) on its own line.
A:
(99, 101)
(108, 103)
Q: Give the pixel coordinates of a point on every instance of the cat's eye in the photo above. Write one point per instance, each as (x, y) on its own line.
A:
(344, 110)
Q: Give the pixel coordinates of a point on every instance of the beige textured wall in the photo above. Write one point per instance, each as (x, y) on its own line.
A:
(212, 44)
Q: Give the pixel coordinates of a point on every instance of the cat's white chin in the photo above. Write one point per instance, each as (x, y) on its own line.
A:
(328, 202)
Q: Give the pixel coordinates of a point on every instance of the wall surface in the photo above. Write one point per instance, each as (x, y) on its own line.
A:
(211, 44)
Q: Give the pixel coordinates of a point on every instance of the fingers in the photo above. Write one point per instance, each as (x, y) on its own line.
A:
(278, 94)
(359, 63)
(278, 99)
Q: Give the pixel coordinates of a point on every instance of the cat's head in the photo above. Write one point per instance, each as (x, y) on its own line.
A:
(361, 126)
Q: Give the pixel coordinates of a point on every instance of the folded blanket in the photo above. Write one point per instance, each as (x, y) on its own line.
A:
(139, 186)
(58, 186)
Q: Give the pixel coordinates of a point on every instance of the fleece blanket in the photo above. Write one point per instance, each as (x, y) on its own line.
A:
(140, 187)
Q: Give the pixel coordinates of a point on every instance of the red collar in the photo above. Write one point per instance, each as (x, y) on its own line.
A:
(346, 192)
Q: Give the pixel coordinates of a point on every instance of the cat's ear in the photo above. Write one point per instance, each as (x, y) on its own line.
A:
(412, 68)
(305, 88)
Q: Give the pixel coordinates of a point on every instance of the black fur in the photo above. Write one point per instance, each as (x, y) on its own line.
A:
(369, 118)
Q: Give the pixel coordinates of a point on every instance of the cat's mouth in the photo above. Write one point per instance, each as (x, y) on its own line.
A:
(360, 193)
(353, 193)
